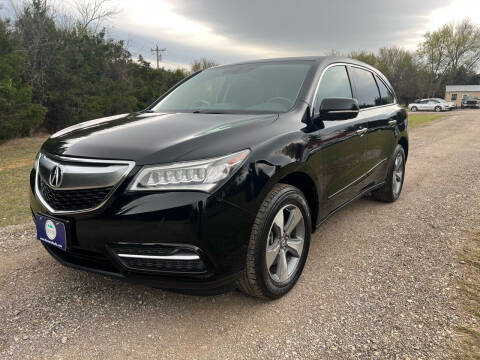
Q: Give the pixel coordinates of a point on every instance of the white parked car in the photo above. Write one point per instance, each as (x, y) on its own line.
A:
(429, 105)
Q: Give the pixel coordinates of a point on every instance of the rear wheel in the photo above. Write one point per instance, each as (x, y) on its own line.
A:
(390, 192)
(414, 108)
(278, 245)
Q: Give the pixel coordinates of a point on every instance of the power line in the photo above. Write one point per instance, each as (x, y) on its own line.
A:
(159, 53)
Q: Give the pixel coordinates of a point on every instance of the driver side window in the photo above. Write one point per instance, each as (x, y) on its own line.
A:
(334, 84)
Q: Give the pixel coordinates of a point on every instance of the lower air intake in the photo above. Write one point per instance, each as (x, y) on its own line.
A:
(159, 258)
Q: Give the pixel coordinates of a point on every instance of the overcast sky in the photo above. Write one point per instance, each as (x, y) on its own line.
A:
(233, 30)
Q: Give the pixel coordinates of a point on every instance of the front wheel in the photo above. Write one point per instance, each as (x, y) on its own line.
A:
(390, 192)
(438, 109)
(278, 245)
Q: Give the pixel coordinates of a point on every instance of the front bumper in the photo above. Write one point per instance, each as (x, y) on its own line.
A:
(213, 232)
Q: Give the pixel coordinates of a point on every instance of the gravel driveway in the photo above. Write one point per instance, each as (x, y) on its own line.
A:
(380, 282)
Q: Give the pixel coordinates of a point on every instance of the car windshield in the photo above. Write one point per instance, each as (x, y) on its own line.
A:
(264, 87)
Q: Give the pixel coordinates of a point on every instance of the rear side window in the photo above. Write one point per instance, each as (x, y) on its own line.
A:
(334, 84)
(367, 90)
(386, 96)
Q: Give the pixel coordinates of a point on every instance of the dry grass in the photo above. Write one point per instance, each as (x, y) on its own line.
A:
(16, 161)
(417, 119)
(469, 334)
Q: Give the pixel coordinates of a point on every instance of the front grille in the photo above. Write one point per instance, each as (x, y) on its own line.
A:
(72, 200)
(135, 257)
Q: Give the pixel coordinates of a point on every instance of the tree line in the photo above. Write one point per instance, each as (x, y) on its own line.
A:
(448, 55)
(57, 71)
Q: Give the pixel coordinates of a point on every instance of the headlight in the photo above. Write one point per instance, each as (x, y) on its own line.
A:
(203, 175)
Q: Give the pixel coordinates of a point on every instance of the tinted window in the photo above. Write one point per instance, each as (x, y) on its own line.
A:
(367, 90)
(270, 87)
(334, 84)
(385, 94)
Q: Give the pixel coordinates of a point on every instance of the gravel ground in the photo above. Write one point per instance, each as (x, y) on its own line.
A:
(380, 282)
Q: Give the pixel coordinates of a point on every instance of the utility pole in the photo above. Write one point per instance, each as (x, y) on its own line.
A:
(159, 53)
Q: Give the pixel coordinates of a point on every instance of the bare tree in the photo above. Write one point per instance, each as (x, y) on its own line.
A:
(92, 13)
(463, 47)
(433, 52)
(202, 64)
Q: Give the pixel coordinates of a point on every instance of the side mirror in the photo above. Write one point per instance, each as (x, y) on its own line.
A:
(338, 109)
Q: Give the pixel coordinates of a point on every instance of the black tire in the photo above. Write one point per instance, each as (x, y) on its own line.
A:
(437, 109)
(414, 109)
(388, 192)
(256, 280)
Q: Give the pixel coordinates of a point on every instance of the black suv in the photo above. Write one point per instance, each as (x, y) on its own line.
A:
(222, 180)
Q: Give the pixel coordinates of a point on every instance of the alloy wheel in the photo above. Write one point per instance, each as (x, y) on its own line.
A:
(397, 174)
(285, 243)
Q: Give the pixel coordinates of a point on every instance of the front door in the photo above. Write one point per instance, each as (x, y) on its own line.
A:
(337, 150)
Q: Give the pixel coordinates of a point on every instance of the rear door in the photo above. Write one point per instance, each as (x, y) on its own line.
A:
(377, 108)
(382, 132)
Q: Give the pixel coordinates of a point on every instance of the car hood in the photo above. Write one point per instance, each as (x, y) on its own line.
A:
(149, 138)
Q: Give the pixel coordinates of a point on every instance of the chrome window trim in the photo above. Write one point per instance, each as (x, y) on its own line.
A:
(314, 100)
(130, 164)
(376, 107)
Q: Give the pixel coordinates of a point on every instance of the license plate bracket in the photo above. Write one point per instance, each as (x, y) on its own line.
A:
(51, 231)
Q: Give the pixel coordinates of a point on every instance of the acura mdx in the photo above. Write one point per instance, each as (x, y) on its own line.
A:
(222, 180)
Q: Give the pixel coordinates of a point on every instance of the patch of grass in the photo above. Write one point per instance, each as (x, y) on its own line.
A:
(16, 161)
(417, 119)
(469, 335)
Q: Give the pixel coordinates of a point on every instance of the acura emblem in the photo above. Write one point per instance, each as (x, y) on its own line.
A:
(56, 176)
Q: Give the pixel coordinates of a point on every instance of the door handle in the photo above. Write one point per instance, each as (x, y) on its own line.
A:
(361, 131)
(392, 122)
